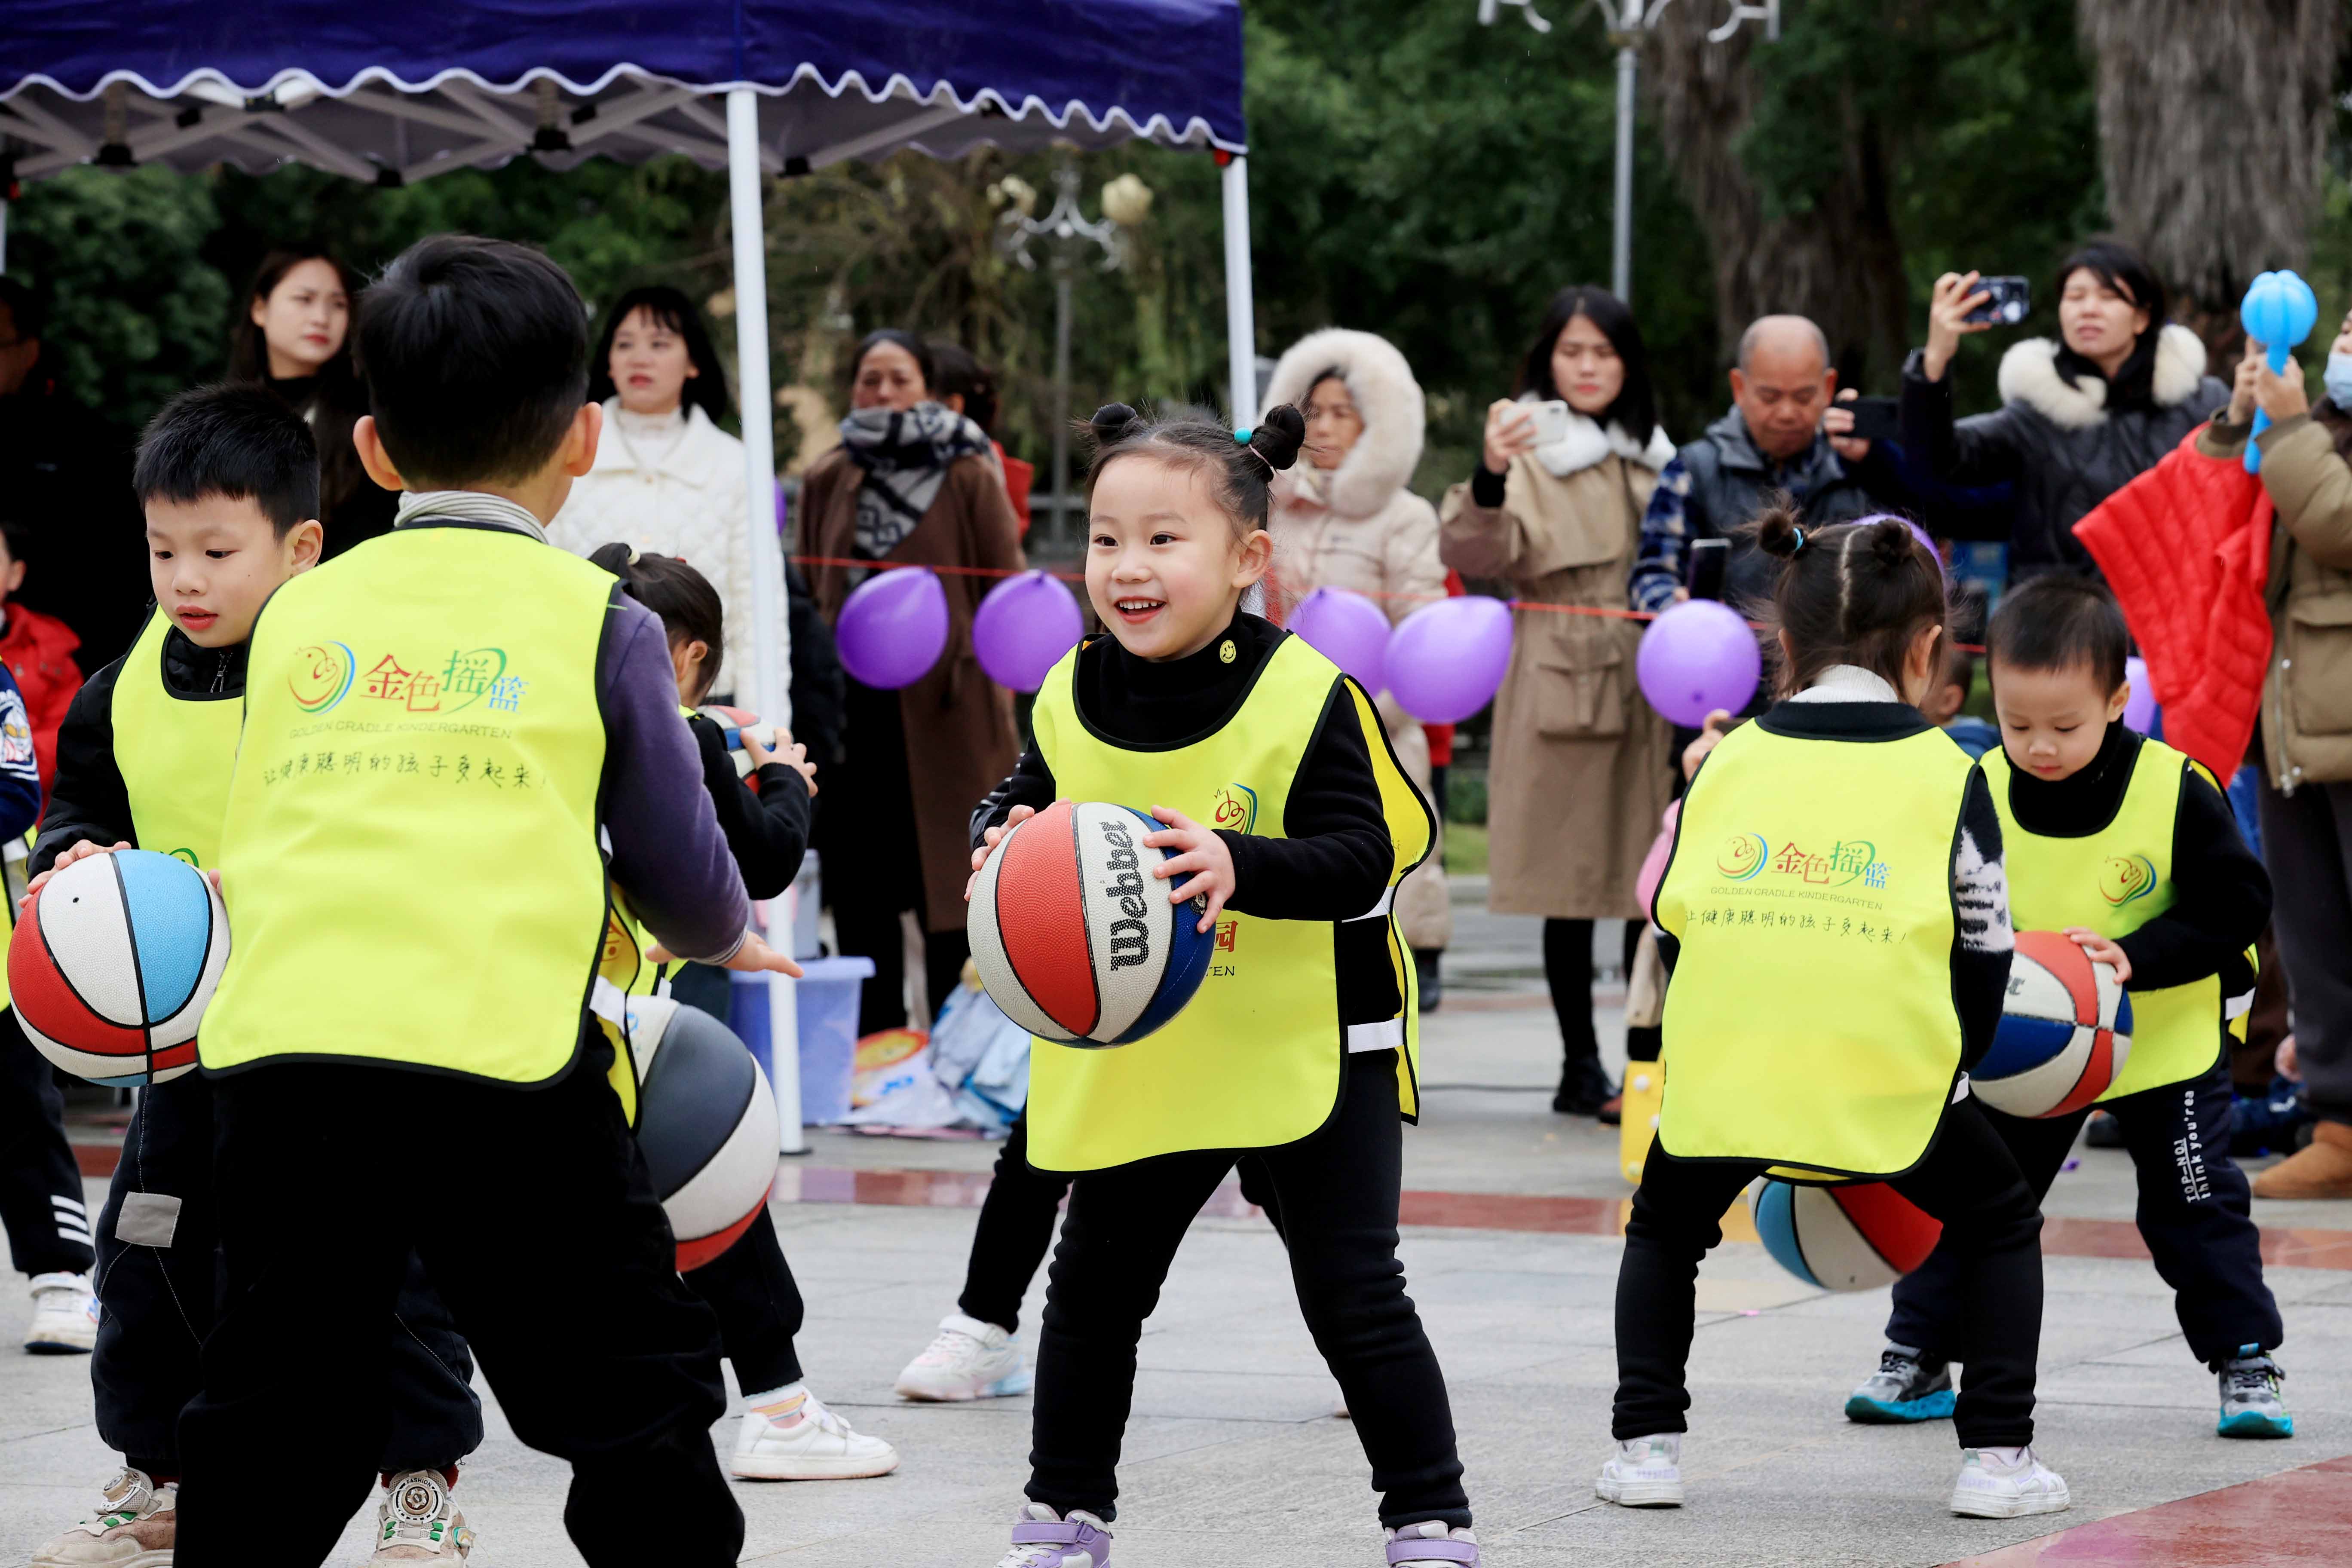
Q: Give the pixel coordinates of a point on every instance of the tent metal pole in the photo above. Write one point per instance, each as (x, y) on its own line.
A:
(770, 685)
(1621, 238)
(1241, 320)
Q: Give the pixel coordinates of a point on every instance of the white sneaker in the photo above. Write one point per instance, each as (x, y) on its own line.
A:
(1044, 1539)
(134, 1527)
(1431, 1545)
(793, 1438)
(1645, 1472)
(64, 1316)
(970, 1360)
(417, 1523)
(1990, 1487)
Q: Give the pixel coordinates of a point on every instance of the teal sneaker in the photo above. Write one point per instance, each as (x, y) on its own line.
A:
(1909, 1385)
(2249, 1397)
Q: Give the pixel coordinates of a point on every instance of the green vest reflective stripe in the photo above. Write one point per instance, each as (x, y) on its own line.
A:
(2115, 881)
(175, 753)
(1810, 1022)
(410, 859)
(1254, 1061)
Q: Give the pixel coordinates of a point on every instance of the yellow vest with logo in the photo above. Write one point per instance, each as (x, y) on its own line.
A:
(1810, 1023)
(1254, 1060)
(2115, 881)
(175, 752)
(410, 858)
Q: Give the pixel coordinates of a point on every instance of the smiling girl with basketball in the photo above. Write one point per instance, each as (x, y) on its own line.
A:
(1297, 1049)
(1835, 916)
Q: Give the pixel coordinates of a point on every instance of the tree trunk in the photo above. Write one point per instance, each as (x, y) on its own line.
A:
(2213, 120)
(1839, 262)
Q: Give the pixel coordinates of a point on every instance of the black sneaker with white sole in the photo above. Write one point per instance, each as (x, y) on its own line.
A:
(1908, 1385)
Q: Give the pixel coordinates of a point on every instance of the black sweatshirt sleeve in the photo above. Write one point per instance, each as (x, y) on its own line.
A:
(1487, 485)
(2222, 900)
(1031, 784)
(87, 801)
(1985, 943)
(768, 832)
(1334, 863)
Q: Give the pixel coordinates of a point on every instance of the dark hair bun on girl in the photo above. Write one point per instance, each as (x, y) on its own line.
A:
(1279, 435)
(1778, 529)
(1891, 544)
(1111, 423)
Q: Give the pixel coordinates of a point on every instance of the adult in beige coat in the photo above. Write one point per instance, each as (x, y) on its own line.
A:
(1580, 771)
(2306, 737)
(1343, 519)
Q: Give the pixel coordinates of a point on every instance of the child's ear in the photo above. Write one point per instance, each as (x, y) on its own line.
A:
(580, 442)
(15, 576)
(2120, 699)
(372, 457)
(305, 542)
(1256, 556)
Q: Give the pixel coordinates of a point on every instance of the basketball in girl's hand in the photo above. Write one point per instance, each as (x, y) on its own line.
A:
(2065, 1034)
(111, 966)
(1856, 1236)
(1075, 938)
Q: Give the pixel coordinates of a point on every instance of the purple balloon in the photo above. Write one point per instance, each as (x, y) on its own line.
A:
(2140, 708)
(1348, 629)
(893, 628)
(1697, 657)
(1024, 624)
(1445, 659)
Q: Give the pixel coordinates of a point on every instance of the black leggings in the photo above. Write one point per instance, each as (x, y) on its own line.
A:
(1968, 1180)
(1338, 1196)
(2192, 1214)
(41, 1186)
(1567, 970)
(751, 1287)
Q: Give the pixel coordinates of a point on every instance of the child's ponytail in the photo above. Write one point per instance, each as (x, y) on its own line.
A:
(1851, 593)
(690, 609)
(1241, 463)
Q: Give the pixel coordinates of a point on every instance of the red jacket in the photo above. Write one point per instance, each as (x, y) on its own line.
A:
(2187, 548)
(38, 651)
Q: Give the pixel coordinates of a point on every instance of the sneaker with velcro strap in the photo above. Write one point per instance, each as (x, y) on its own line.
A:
(2251, 1406)
(1044, 1538)
(1909, 1385)
(1645, 1472)
(2014, 1484)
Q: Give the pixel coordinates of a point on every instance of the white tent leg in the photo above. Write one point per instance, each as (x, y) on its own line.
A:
(1241, 317)
(771, 678)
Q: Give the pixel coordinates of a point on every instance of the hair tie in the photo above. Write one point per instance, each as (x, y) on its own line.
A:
(1800, 534)
(1244, 438)
(1243, 435)
(632, 555)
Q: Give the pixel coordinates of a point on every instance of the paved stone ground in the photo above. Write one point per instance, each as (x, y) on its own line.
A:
(1235, 1457)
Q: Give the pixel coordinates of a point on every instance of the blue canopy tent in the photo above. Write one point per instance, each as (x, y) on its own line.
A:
(395, 93)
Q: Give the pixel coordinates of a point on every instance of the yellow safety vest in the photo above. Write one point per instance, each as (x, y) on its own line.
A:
(175, 752)
(2115, 881)
(410, 859)
(1254, 1061)
(1810, 1022)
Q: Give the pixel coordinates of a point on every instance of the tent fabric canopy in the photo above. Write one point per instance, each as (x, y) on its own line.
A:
(399, 92)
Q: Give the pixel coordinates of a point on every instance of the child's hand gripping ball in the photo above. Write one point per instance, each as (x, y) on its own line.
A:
(2065, 1031)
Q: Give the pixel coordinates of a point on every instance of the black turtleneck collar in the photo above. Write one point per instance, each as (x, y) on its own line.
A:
(295, 391)
(1161, 704)
(203, 672)
(2085, 801)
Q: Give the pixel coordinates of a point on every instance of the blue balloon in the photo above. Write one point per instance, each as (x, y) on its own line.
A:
(2278, 312)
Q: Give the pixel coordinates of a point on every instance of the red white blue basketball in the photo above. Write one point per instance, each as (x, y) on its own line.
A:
(2065, 1031)
(1073, 936)
(1855, 1235)
(706, 1125)
(111, 969)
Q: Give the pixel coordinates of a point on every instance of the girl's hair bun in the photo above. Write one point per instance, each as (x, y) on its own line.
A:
(1279, 435)
(1111, 423)
(1779, 529)
(1890, 542)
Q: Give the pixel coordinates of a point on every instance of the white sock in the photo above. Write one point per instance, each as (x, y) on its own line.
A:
(2010, 1458)
(777, 1403)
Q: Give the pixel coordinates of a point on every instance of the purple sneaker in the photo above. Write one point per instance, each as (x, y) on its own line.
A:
(1431, 1544)
(1044, 1539)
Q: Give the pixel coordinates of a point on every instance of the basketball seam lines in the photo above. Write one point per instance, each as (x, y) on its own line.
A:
(58, 968)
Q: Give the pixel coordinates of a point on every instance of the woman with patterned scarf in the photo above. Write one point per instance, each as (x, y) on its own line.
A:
(911, 483)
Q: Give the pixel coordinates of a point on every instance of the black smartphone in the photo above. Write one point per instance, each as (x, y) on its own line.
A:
(2011, 299)
(1876, 418)
(1707, 557)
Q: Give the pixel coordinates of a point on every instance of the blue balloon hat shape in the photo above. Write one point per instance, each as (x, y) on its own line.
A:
(2278, 312)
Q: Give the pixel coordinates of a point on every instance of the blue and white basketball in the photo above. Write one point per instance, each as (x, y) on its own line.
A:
(2065, 1031)
(112, 967)
(1855, 1235)
(1073, 936)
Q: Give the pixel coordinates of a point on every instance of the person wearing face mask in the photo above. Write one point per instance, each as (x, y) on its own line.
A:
(1344, 519)
(912, 483)
(1579, 775)
(2080, 419)
(295, 339)
(667, 480)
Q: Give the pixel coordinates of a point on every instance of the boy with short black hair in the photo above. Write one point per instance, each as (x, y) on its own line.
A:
(229, 481)
(2130, 849)
(453, 736)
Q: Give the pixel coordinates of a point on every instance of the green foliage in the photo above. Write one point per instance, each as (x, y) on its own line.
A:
(1465, 793)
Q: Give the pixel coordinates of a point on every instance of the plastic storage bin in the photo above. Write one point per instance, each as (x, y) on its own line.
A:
(826, 997)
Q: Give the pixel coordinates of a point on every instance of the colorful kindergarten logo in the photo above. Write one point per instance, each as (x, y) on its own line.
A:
(321, 675)
(1742, 855)
(2124, 877)
(1235, 808)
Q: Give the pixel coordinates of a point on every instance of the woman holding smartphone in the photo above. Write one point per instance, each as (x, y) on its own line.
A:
(1578, 773)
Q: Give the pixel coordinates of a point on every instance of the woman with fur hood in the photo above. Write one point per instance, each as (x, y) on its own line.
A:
(2080, 419)
(1344, 519)
(1580, 771)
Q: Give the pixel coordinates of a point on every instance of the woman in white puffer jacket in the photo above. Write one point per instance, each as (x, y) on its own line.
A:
(667, 480)
(1343, 519)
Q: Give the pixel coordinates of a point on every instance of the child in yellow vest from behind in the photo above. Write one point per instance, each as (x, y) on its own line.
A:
(2126, 846)
(1835, 915)
(1298, 1049)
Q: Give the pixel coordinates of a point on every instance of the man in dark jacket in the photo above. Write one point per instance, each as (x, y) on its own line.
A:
(1784, 433)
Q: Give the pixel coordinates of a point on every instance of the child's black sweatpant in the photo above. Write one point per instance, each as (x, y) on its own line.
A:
(41, 1205)
(159, 1291)
(751, 1288)
(1968, 1180)
(2193, 1215)
(534, 1214)
(1336, 1193)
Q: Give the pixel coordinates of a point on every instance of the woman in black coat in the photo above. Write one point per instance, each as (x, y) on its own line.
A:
(2080, 419)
